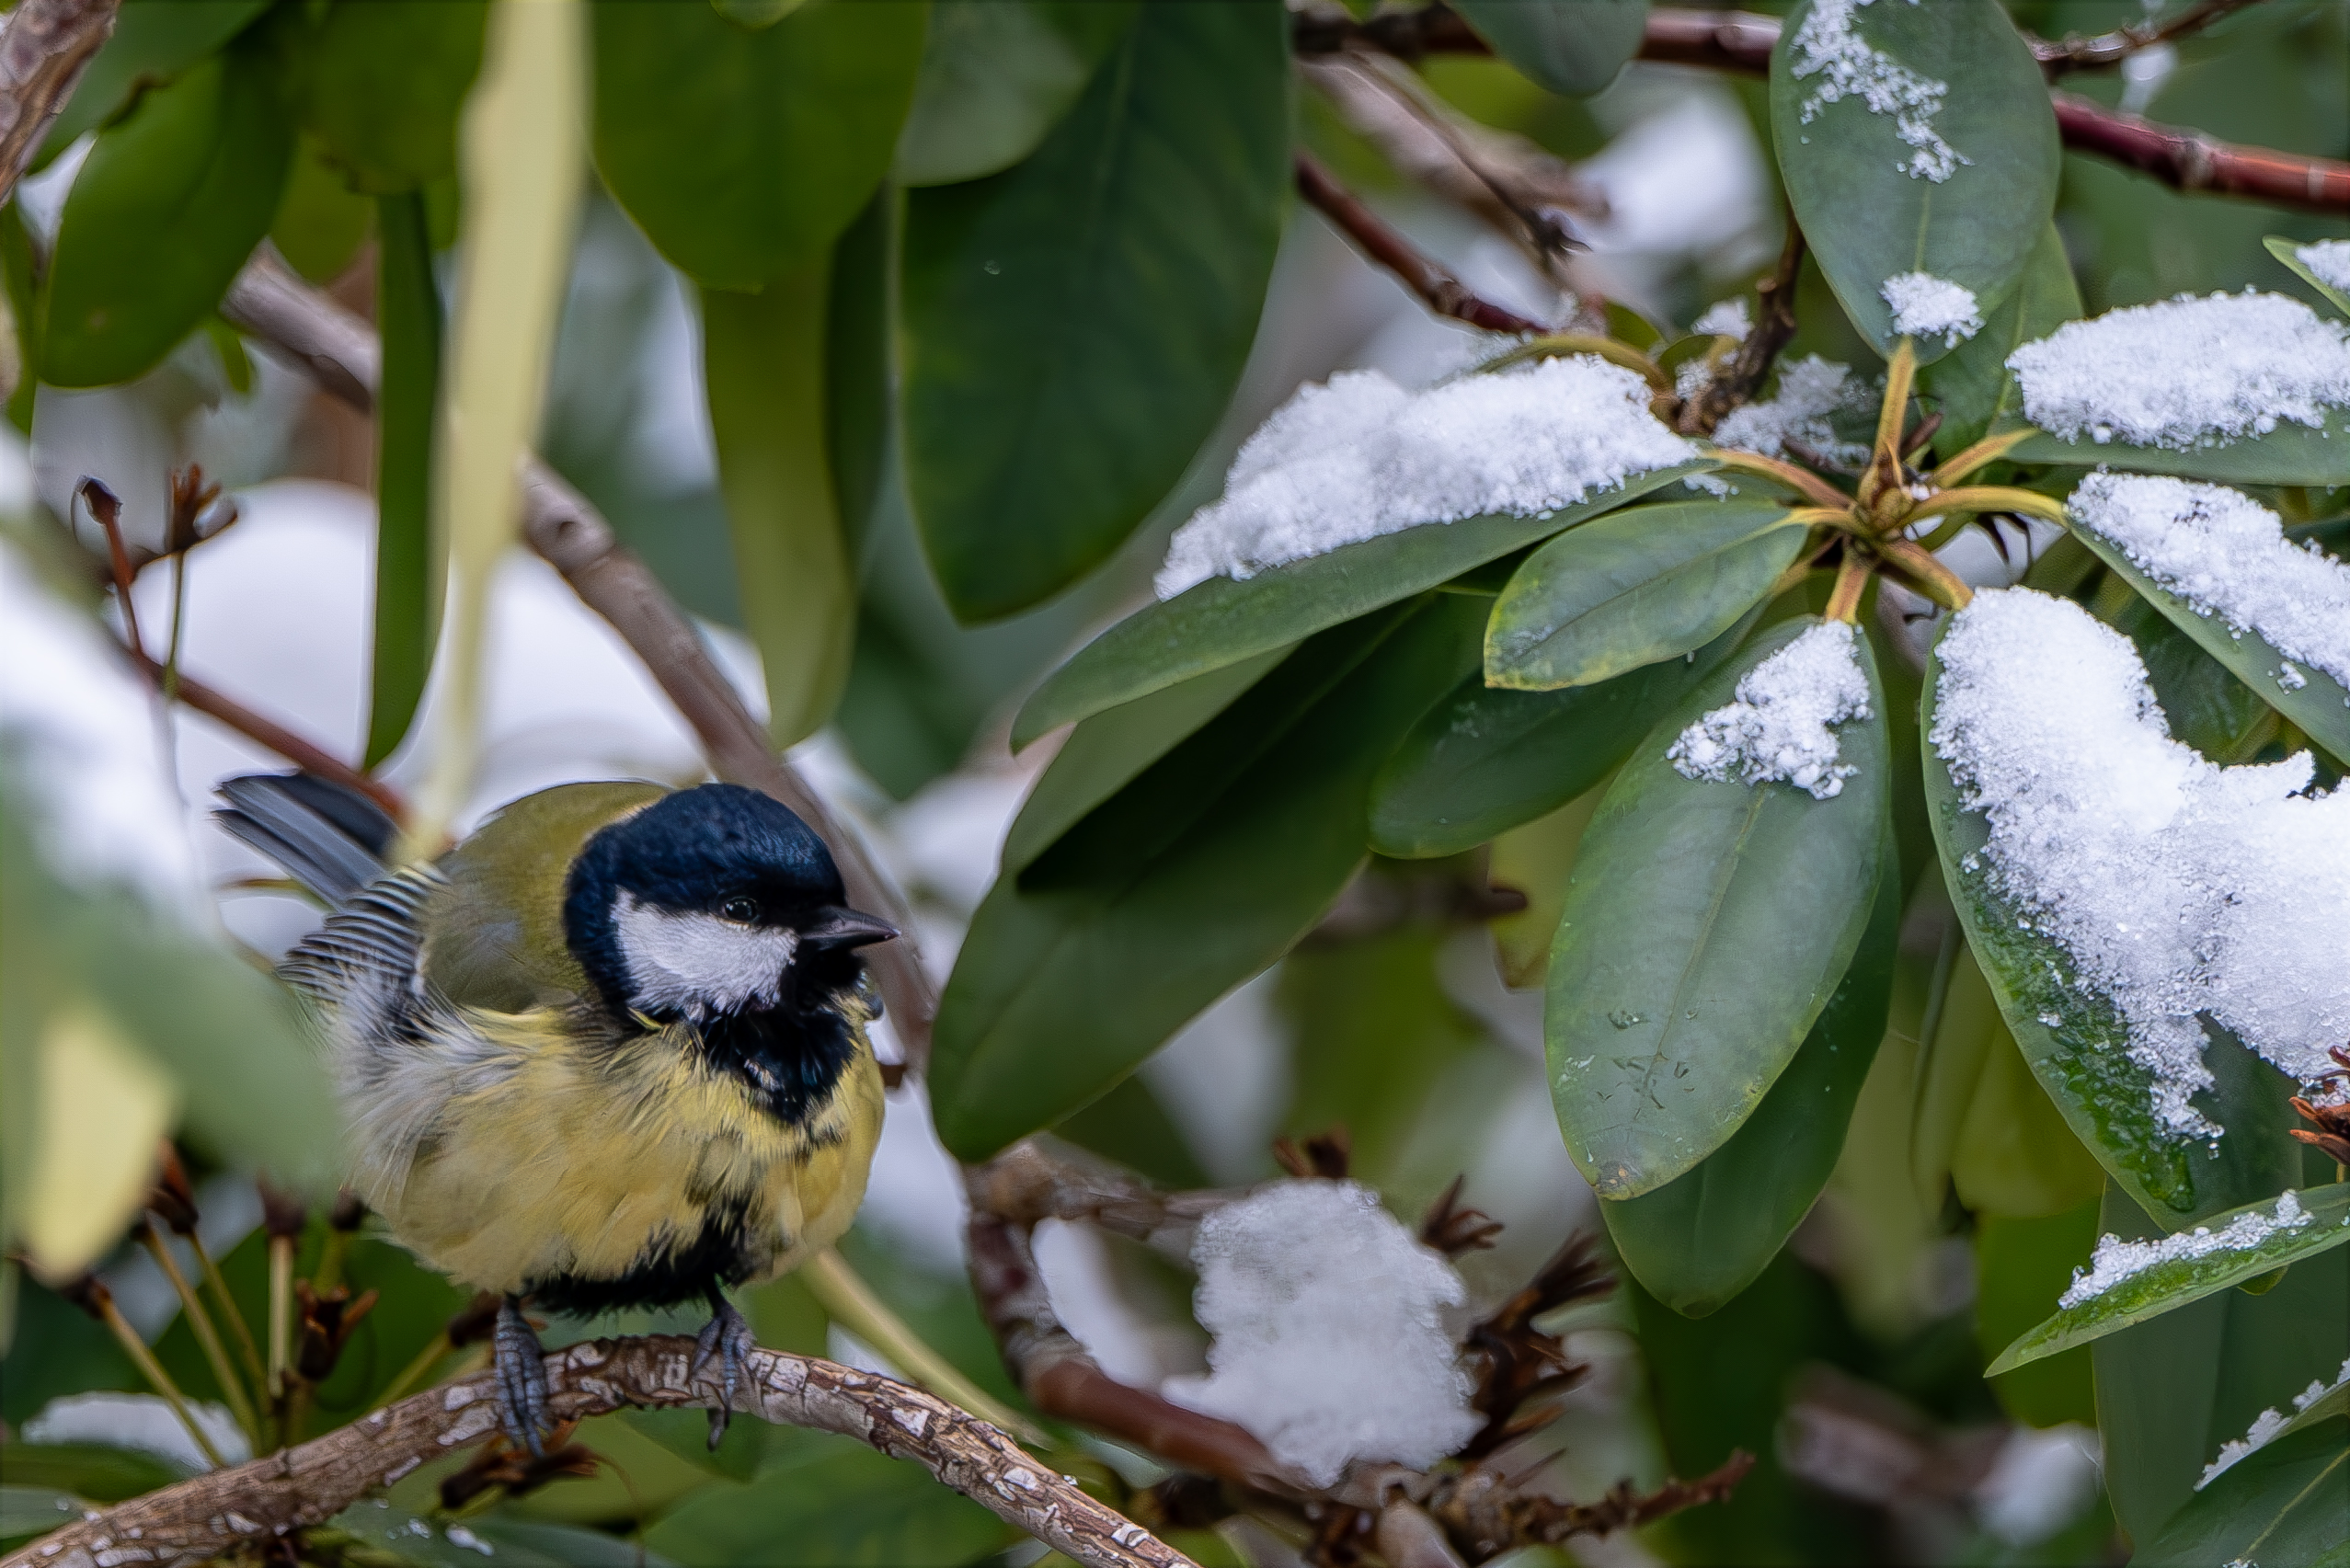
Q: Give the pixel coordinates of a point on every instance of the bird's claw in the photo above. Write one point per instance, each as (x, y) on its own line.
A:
(520, 1363)
(726, 1338)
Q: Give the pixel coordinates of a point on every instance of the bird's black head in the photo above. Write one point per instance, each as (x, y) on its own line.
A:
(711, 903)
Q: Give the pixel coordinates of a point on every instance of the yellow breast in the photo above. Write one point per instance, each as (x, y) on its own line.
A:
(593, 1161)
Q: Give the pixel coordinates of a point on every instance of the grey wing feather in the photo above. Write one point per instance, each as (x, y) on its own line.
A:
(369, 950)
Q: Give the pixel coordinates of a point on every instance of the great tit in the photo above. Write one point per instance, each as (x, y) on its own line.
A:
(608, 1052)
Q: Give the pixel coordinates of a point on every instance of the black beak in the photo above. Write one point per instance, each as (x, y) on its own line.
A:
(837, 927)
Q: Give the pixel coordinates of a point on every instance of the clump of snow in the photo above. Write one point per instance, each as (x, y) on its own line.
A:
(1725, 318)
(2116, 1260)
(1330, 1345)
(2039, 1482)
(79, 734)
(1361, 457)
(1810, 391)
(2267, 1425)
(2186, 373)
(1923, 304)
(143, 1422)
(2177, 889)
(1782, 728)
(2329, 258)
(2227, 554)
(1830, 46)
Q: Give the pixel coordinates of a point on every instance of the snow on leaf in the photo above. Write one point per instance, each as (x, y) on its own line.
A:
(2179, 889)
(1780, 729)
(2227, 554)
(1829, 45)
(1924, 305)
(1361, 457)
(2186, 373)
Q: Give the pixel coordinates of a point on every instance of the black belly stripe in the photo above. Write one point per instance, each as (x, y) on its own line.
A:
(666, 1275)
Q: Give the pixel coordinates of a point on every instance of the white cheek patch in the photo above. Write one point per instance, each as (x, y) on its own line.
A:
(697, 963)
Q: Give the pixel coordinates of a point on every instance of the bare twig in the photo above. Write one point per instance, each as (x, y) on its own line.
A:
(1749, 367)
(1524, 193)
(1740, 42)
(305, 327)
(271, 1497)
(302, 753)
(1481, 1510)
(1440, 289)
(2073, 52)
(44, 44)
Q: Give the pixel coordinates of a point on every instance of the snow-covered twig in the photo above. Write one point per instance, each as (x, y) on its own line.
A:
(44, 45)
(2073, 52)
(1440, 289)
(263, 1501)
(1743, 376)
(304, 327)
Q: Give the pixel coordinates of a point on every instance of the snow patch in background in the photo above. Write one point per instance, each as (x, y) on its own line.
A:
(2227, 554)
(1359, 457)
(1329, 1342)
(1780, 729)
(2177, 888)
(1830, 46)
(2039, 1482)
(1725, 318)
(142, 1423)
(2186, 373)
(80, 737)
(1924, 305)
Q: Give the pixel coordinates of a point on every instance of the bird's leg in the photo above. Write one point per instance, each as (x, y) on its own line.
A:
(520, 1363)
(728, 1337)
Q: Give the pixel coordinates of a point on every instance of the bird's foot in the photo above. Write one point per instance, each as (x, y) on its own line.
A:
(520, 1363)
(726, 1338)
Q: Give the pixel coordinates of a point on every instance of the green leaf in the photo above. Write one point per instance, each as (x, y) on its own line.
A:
(2292, 453)
(1075, 326)
(2283, 249)
(172, 201)
(1848, 171)
(2172, 1284)
(2020, 1265)
(85, 1470)
(1705, 927)
(860, 404)
(2077, 1044)
(409, 569)
(2288, 1501)
(2320, 704)
(321, 223)
(36, 1510)
(383, 82)
(1701, 1238)
(1192, 878)
(1635, 588)
(1106, 752)
(2172, 1389)
(742, 153)
(1485, 759)
(830, 1502)
(1224, 619)
(1976, 391)
(996, 75)
(153, 42)
(763, 369)
(1569, 46)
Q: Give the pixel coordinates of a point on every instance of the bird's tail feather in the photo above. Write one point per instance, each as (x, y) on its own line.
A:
(326, 836)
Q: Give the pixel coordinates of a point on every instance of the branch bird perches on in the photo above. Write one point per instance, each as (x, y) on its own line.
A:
(269, 1498)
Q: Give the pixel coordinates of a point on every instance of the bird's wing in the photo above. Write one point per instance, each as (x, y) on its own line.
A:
(366, 955)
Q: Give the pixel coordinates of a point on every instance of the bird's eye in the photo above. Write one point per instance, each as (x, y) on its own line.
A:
(740, 911)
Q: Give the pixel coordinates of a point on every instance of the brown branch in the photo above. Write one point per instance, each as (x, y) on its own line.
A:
(1483, 1510)
(304, 327)
(1742, 42)
(2189, 160)
(1440, 289)
(2073, 52)
(302, 753)
(1747, 369)
(271, 1497)
(44, 44)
